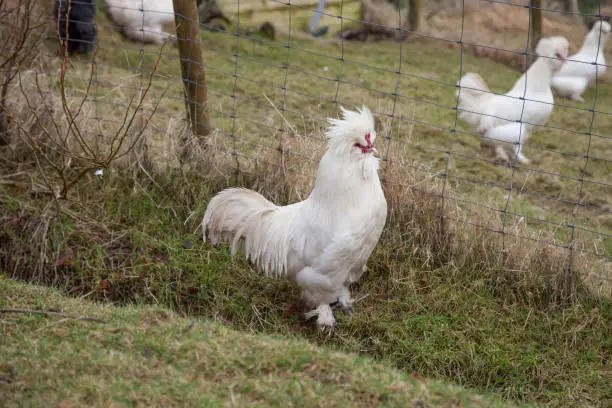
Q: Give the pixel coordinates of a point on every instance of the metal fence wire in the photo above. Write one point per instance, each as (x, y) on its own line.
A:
(269, 73)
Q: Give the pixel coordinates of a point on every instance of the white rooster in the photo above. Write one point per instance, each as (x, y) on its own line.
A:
(505, 121)
(582, 68)
(323, 242)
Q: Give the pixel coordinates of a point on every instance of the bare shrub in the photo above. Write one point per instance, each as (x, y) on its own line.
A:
(55, 140)
(53, 121)
(22, 26)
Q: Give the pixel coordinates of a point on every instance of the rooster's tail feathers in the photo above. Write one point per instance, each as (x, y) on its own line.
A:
(472, 92)
(227, 210)
(245, 218)
(472, 85)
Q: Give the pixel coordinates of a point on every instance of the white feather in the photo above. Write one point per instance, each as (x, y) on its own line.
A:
(323, 242)
(142, 20)
(582, 68)
(529, 102)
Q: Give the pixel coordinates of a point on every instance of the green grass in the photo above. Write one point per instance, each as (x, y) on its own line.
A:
(124, 239)
(148, 356)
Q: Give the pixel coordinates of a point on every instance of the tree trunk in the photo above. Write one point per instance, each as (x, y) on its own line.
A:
(571, 6)
(414, 16)
(535, 28)
(192, 69)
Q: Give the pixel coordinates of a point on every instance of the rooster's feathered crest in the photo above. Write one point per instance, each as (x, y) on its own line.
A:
(352, 122)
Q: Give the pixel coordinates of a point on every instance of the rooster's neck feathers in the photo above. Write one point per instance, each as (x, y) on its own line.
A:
(599, 32)
(595, 41)
(538, 77)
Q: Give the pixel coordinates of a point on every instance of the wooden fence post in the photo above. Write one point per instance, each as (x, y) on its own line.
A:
(571, 6)
(535, 29)
(192, 69)
(415, 14)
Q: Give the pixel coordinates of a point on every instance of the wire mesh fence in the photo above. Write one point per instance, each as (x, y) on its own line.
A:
(273, 77)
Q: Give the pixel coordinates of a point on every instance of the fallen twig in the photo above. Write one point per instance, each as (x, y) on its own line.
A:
(50, 313)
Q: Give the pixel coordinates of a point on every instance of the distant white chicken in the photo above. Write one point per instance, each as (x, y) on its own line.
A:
(323, 242)
(581, 69)
(142, 20)
(505, 121)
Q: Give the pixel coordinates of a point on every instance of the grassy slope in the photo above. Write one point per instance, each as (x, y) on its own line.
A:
(147, 356)
(442, 323)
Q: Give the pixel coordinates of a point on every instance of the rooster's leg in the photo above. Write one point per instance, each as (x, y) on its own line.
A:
(522, 159)
(318, 291)
(501, 155)
(346, 301)
(519, 157)
(517, 153)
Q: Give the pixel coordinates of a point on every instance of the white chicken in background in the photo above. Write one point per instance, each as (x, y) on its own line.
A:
(581, 69)
(505, 121)
(323, 242)
(142, 20)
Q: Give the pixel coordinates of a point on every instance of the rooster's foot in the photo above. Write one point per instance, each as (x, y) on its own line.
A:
(347, 310)
(522, 159)
(577, 98)
(325, 316)
(501, 156)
